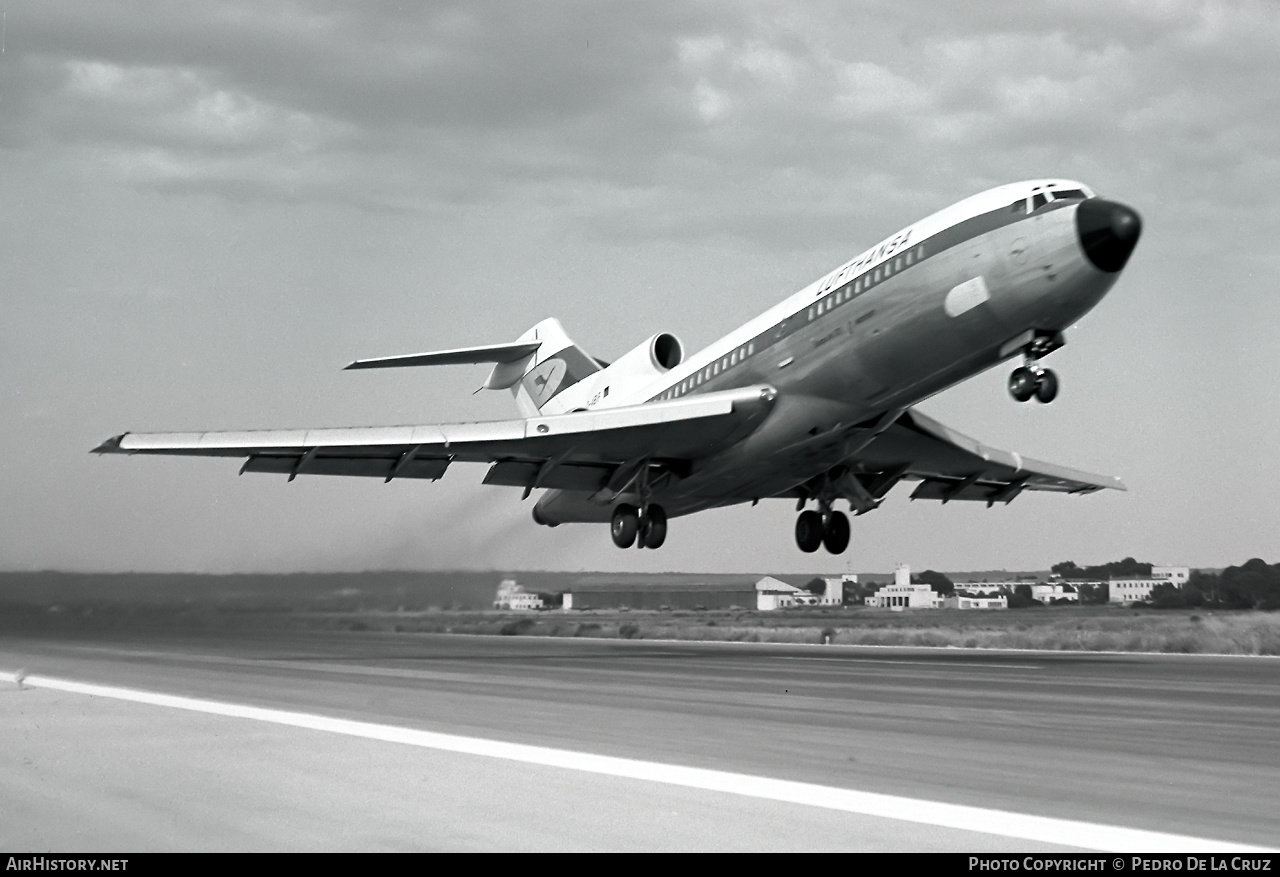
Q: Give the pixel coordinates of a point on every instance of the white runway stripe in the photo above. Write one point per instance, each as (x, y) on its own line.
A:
(1082, 835)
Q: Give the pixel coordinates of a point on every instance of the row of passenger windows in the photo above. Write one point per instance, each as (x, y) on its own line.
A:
(845, 293)
(854, 288)
(723, 364)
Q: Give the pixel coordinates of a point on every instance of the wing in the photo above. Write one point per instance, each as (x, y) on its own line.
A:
(952, 466)
(579, 451)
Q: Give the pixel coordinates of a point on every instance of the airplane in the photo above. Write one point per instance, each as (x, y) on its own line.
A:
(811, 401)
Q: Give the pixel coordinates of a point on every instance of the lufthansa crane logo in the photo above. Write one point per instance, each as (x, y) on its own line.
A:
(544, 380)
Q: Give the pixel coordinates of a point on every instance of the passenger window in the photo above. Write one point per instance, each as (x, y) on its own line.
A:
(897, 264)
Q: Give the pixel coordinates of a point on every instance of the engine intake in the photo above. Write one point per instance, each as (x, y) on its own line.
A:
(666, 351)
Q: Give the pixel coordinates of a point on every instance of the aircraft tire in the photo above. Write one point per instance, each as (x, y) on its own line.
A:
(1022, 383)
(1046, 387)
(836, 536)
(656, 530)
(626, 523)
(809, 531)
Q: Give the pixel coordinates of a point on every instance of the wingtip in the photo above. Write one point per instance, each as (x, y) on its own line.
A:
(111, 445)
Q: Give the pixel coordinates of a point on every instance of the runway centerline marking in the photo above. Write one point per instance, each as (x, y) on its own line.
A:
(1082, 835)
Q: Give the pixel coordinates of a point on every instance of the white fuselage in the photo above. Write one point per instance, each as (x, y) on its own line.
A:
(932, 305)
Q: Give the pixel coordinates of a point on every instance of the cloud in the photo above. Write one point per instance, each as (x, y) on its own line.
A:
(702, 111)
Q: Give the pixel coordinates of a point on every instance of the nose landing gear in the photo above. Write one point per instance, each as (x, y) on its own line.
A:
(1033, 379)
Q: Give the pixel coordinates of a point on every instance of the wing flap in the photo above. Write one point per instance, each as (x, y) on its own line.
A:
(559, 450)
(516, 473)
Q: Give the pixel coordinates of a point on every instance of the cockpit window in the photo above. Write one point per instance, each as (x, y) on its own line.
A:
(1038, 200)
(1068, 195)
(1019, 206)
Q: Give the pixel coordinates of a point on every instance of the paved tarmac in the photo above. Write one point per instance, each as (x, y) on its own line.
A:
(1176, 744)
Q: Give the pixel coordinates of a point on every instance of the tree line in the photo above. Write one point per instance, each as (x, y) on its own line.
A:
(1254, 584)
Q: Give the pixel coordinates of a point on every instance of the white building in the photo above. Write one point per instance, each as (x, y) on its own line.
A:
(774, 593)
(1139, 590)
(1047, 593)
(511, 596)
(994, 589)
(834, 594)
(1173, 575)
(905, 597)
(902, 574)
(969, 600)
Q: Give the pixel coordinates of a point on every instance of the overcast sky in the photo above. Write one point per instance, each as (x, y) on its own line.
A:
(206, 210)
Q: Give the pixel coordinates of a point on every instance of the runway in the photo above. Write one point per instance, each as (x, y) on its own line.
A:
(1178, 745)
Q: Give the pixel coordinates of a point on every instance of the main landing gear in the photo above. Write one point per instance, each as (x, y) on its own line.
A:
(1033, 379)
(815, 528)
(630, 527)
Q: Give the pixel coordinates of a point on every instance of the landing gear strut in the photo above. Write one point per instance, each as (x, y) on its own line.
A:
(630, 527)
(1033, 379)
(814, 529)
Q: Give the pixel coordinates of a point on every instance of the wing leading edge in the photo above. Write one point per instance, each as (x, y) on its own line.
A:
(578, 451)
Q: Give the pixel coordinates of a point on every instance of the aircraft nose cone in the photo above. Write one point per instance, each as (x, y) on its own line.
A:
(1108, 232)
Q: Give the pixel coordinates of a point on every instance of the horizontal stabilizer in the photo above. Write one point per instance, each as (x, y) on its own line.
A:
(513, 351)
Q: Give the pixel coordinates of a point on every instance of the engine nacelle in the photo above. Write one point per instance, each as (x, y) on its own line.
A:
(656, 356)
(617, 384)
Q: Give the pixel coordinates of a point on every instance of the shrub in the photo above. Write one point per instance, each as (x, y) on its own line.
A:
(516, 628)
(628, 631)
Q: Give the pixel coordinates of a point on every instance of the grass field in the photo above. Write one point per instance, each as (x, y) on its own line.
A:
(1101, 628)
(446, 603)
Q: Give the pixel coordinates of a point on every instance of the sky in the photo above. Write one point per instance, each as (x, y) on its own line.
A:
(206, 210)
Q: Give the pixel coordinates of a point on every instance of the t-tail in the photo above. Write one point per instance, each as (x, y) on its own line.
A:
(537, 367)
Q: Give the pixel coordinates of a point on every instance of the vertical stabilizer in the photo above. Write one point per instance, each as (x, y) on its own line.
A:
(557, 365)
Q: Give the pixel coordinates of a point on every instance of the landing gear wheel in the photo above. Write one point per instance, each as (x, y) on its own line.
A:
(1022, 383)
(626, 522)
(1046, 386)
(809, 531)
(836, 536)
(655, 530)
